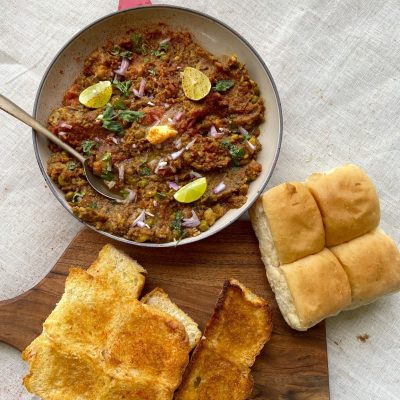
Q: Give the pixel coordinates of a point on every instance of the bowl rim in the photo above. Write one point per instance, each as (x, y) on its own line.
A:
(203, 235)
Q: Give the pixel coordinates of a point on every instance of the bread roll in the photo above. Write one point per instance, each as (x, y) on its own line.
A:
(372, 264)
(318, 287)
(294, 220)
(348, 202)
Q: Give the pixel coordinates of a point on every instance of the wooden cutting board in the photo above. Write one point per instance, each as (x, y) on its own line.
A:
(292, 366)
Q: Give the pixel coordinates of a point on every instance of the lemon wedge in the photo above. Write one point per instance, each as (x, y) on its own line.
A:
(97, 95)
(192, 191)
(195, 84)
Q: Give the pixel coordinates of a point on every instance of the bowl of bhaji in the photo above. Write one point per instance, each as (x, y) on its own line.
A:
(176, 113)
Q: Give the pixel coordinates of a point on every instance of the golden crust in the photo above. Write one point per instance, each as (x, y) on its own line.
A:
(212, 377)
(348, 202)
(236, 333)
(319, 287)
(294, 220)
(372, 264)
(135, 349)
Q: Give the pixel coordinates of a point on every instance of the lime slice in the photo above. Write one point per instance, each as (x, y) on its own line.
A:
(97, 95)
(195, 84)
(192, 191)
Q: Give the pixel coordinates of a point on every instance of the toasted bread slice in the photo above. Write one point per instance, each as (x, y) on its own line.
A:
(212, 377)
(121, 272)
(143, 348)
(159, 299)
(236, 333)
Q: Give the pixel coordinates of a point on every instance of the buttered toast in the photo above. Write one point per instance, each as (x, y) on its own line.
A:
(234, 336)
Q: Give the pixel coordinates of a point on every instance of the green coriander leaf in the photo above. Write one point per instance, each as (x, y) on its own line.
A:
(226, 143)
(71, 165)
(144, 171)
(223, 85)
(119, 105)
(247, 136)
(106, 156)
(176, 223)
(87, 146)
(108, 112)
(123, 86)
(157, 53)
(164, 46)
(160, 195)
(93, 205)
(77, 197)
(237, 153)
(152, 72)
(119, 52)
(113, 126)
(138, 45)
(107, 176)
(131, 116)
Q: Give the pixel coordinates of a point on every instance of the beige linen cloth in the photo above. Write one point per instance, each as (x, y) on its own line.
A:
(336, 65)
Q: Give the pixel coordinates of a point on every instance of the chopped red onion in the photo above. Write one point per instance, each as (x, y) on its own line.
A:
(141, 224)
(150, 103)
(109, 167)
(123, 67)
(149, 214)
(155, 203)
(173, 185)
(64, 125)
(117, 78)
(191, 222)
(157, 121)
(194, 174)
(132, 194)
(178, 143)
(134, 146)
(110, 184)
(177, 154)
(190, 144)
(251, 146)
(214, 133)
(121, 172)
(242, 130)
(171, 121)
(96, 139)
(220, 187)
(136, 92)
(140, 218)
(115, 140)
(166, 105)
(178, 115)
(161, 165)
(165, 41)
(62, 133)
(150, 96)
(141, 87)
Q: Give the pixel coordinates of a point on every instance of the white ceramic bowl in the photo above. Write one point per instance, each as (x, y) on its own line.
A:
(214, 36)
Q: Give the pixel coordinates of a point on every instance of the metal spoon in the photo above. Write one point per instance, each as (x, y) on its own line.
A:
(95, 182)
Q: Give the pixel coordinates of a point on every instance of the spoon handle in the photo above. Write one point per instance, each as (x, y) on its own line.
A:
(17, 112)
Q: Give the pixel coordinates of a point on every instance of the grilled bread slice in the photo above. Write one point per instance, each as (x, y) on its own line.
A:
(234, 336)
(134, 349)
(159, 299)
(121, 272)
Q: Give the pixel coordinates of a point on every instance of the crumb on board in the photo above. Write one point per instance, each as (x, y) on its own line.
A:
(363, 338)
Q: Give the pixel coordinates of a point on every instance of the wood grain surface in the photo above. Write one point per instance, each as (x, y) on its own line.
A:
(292, 366)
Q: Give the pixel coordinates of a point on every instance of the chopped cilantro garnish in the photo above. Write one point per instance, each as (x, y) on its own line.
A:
(164, 46)
(131, 116)
(237, 153)
(87, 146)
(152, 72)
(108, 112)
(247, 136)
(144, 171)
(106, 156)
(119, 105)
(118, 51)
(162, 49)
(107, 176)
(93, 205)
(176, 223)
(123, 86)
(157, 53)
(223, 85)
(138, 45)
(71, 165)
(77, 196)
(113, 126)
(160, 195)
